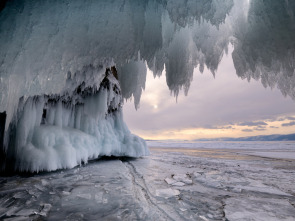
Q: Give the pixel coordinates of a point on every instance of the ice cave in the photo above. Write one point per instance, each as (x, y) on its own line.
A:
(67, 66)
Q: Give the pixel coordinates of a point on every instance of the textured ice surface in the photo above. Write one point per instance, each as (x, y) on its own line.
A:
(275, 154)
(227, 186)
(248, 145)
(166, 193)
(53, 132)
(265, 209)
(267, 57)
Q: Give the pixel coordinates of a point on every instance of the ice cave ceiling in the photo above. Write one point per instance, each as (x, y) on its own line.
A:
(46, 44)
(42, 41)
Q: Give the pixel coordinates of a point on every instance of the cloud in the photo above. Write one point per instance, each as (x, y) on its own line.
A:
(204, 109)
(227, 127)
(292, 123)
(247, 130)
(281, 119)
(274, 127)
(218, 127)
(253, 123)
(259, 128)
(274, 119)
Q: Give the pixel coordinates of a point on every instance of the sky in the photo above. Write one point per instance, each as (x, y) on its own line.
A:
(220, 106)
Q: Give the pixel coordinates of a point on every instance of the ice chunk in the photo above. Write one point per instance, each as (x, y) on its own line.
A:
(66, 193)
(178, 184)
(99, 197)
(26, 212)
(183, 209)
(170, 181)
(203, 218)
(182, 178)
(166, 193)
(46, 208)
(84, 196)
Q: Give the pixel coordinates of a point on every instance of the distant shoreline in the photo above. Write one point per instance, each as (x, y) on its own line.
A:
(273, 137)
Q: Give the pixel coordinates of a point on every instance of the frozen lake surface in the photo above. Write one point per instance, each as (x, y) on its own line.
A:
(229, 181)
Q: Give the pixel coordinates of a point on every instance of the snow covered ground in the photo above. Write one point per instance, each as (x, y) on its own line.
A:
(170, 184)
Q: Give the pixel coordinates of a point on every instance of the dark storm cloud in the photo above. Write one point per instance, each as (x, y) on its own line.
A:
(292, 123)
(253, 123)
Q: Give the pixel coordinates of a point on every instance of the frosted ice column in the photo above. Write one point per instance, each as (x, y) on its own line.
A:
(51, 132)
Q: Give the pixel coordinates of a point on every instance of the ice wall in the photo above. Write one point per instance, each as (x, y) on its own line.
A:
(264, 45)
(64, 130)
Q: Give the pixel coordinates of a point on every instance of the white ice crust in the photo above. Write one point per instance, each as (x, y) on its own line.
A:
(57, 132)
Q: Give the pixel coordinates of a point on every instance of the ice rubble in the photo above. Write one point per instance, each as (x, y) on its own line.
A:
(62, 131)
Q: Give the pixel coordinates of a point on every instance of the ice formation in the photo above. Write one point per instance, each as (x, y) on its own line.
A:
(268, 57)
(61, 131)
(51, 50)
(56, 110)
(41, 42)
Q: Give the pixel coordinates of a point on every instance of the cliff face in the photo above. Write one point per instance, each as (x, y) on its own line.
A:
(56, 131)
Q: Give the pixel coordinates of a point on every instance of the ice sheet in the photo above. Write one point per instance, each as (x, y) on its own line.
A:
(275, 154)
(218, 187)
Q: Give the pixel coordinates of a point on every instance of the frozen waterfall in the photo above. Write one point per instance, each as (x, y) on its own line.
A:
(58, 131)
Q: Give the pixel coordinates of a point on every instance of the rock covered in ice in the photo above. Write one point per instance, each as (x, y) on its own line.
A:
(58, 131)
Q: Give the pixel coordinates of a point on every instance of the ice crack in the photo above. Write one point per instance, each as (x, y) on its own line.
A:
(141, 189)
